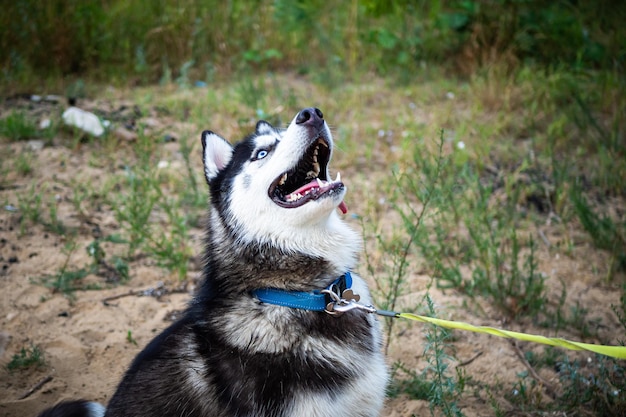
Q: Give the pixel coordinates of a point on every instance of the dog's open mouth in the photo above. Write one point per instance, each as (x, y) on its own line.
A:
(307, 181)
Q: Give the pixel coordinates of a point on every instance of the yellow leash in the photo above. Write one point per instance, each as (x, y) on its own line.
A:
(613, 351)
(350, 301)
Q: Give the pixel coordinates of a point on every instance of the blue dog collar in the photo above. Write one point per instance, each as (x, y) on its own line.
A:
(313, 301)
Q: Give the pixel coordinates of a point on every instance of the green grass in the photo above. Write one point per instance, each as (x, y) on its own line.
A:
(143, 200)
(69, 279)
(27, 357)
(606, 233)
(442, 388)
(23, 164)
(33, 210)
(596, 387)
(18, 126)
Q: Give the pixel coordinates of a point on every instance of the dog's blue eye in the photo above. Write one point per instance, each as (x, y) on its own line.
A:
(261, 154)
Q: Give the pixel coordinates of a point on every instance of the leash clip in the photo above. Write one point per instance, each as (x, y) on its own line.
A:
(346, 302)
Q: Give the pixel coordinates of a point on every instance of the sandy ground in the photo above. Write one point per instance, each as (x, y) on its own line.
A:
(86, 341)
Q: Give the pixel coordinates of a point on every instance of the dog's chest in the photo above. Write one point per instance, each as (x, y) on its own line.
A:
(278, 367)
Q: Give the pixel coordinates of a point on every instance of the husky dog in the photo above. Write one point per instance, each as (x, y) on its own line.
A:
(254, 341)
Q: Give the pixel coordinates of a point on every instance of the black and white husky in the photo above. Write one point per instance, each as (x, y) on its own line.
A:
(256, 340)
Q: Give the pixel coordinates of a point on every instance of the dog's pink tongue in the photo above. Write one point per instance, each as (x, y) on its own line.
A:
(313, 184)
(306, 187)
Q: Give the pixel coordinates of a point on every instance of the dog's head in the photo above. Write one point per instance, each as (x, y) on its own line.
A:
(275, 185)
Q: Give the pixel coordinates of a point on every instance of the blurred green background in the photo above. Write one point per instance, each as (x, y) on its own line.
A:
(141, 42)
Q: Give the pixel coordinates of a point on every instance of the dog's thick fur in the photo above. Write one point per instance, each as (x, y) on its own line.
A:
(233, 355)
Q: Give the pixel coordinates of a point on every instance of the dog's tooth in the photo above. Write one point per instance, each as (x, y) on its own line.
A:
(294, 197)
(283, 179)
(316, 168)
(311, 174)
(320, 183)
(338, 178)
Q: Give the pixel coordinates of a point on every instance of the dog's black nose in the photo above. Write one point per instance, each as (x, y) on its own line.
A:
(311, 116)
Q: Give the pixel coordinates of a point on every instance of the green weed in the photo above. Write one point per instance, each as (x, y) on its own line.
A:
(130, 338)
(171, 250)
(434, 384)
(446, 390)
(192, 195)
(26, 358)
(600, 386)
(594, 388)
(65, 280)
(114, 270)
(473, 232)
(134, 206)
(23, 164)
(54, 224)
(18, 126)
(390, 285)
(30, 208)
(142, 200)
(69, 279)
(33, 211)
(409, 382)
(606, 233)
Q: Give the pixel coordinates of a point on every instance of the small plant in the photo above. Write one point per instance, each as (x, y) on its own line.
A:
(467, 231)
(606, 233)
(24, 163)
(18, 126)
(192, 194)
(55, 225)
(133, 209)
(68, 280)
(434, 384)
(64, 280)
(526, 394)
(399, 247)
(114, 271)
(130, 338)
(171, 250)
(30, 208)
(408, 381)
(446, 390)
(32, 211)
(135, 203)
(600, 386)
(27, 357)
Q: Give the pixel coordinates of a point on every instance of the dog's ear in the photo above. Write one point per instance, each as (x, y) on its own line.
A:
(263, 127)
(216, 154)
